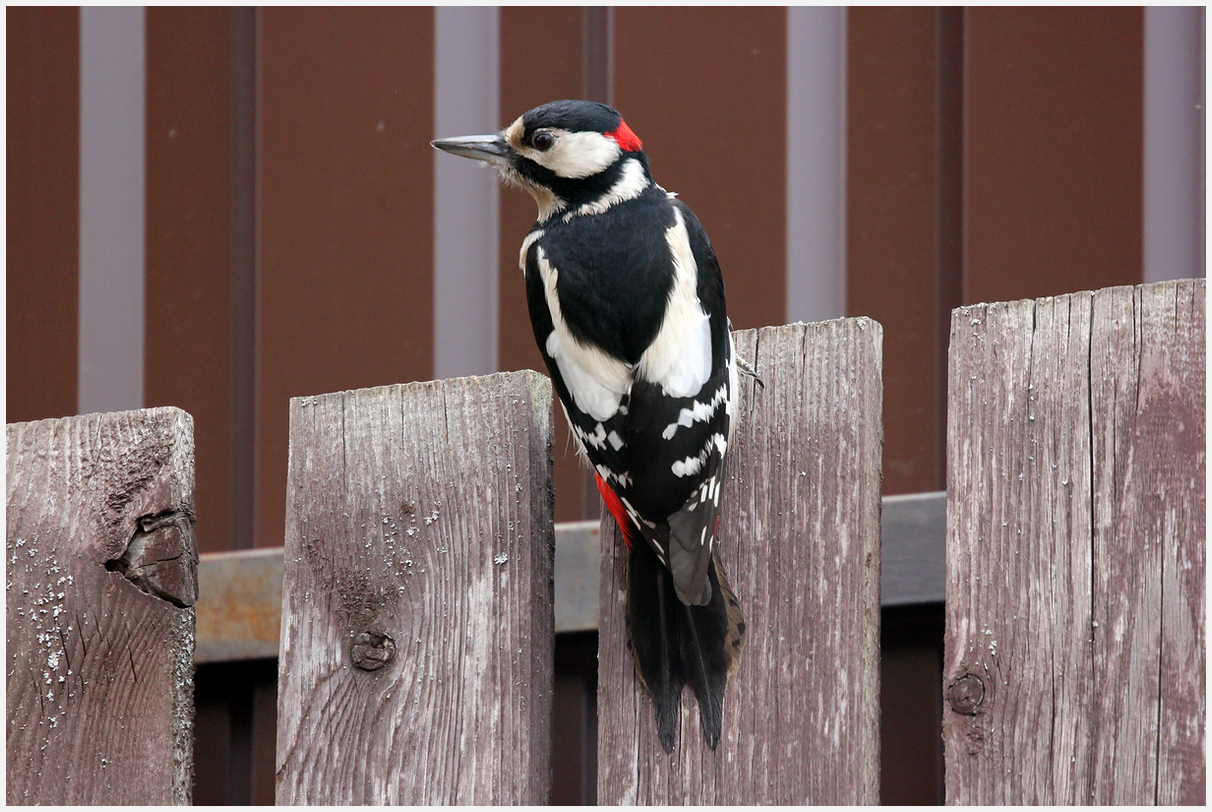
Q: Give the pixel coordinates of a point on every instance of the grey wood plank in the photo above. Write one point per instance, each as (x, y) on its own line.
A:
(1148, 380)
(799, 539)
(1076, 483)
(100, 626)
(1018, 593)
(417, 630)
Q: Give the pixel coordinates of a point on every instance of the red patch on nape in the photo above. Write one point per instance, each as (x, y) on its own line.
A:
(615, 505)
(629, 141)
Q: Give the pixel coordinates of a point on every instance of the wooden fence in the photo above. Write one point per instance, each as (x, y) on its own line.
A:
(1076, 549)
(417, 629)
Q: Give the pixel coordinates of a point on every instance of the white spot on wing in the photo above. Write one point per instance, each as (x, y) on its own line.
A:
(597, 439)
(699, 412)
(687, 467)
(692, 465)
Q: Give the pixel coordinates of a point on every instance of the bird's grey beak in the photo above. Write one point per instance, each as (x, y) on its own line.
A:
(491, 149)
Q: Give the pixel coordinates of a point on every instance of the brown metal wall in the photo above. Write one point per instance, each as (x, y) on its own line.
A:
(993, 154)
(897, 201)
(345, 294)
(892, 225)
(1048, 193)
(43, 211)
(1054, 148)
(187, 347)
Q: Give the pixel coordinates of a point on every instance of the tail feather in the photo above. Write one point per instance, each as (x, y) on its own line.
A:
(704, 653)
(674, 643)
(649, 632)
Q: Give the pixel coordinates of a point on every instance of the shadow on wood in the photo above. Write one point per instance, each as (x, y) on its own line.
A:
(799, 538)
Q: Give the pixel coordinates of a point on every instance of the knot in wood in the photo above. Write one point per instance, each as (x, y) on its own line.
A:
(372, 650)
(966, 694)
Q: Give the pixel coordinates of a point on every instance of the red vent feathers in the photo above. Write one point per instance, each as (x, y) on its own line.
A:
(615, 505)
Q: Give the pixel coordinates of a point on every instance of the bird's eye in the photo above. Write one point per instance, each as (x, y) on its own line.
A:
(542, 140)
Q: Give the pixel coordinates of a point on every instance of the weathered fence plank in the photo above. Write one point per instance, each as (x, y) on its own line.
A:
(799, 540)
(416, 659)
(1075, 532)
(101, 580)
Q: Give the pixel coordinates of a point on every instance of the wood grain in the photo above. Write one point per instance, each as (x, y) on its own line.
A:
(101, 581)
(419, 542)
(1074, 665)
(799, 539)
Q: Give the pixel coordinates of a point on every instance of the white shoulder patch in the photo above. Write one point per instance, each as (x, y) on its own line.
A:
(679, 359)
(526, 243)
(596, 381)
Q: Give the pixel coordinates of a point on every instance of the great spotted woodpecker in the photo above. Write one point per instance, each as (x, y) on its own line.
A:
(627, 304)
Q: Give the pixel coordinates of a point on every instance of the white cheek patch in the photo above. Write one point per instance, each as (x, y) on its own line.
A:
(679, 359)
(573, 155)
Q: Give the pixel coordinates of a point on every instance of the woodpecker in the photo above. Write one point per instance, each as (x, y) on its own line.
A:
(626, 299)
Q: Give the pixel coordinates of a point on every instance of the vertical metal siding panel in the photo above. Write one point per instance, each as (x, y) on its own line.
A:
(189, 241)
(43, 193)
(466, 88)
(1053, 150)
(1174, 160)
(816, 163)
(345, 294)
(112, 104)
